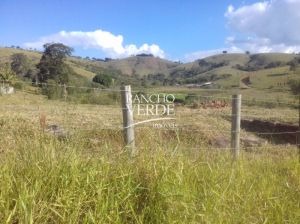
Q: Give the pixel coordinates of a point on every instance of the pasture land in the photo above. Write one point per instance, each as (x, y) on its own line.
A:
(177, 177)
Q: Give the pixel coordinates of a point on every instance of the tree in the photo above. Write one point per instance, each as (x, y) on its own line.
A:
(295, 86)
(247, 52)
(20, 64)
(32, 74)
(52, 64)
(224, 52)
(7, 75)
(103, 79)
(293, 65)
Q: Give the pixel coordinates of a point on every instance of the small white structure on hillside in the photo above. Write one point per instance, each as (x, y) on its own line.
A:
(199, 85)
(7, 90)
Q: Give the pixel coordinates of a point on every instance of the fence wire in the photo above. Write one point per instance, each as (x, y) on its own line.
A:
(186, 128)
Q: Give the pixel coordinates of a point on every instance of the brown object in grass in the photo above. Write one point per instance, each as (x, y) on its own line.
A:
(214, 104)
(43, 121)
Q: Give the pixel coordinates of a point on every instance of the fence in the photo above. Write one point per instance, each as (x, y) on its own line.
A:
(128, 123)
(236, 115)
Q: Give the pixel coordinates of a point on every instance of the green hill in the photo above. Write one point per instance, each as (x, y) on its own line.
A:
(267, 70)
(140, 65)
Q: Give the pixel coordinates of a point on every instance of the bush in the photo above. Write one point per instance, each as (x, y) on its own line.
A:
(190, 98)
(295, 86)
(52, 90)
(18, 85)
(103, 79)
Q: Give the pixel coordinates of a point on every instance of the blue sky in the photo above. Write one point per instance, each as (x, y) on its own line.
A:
(178, 29)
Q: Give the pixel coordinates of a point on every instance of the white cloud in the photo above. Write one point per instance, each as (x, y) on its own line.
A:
(110, 44)
(262, 27)
(268, 26)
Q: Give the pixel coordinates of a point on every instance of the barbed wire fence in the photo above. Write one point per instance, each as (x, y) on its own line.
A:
(125, 121)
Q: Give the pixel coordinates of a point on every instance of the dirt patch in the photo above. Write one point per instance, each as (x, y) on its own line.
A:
(248, 141)
(281, 133)
(245, 83)
(210, 104)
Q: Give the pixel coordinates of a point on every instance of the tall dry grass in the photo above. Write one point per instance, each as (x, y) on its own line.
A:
(89, 178)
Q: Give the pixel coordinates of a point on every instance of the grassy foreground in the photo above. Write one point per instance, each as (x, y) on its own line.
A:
(44, 180)
(88, 177)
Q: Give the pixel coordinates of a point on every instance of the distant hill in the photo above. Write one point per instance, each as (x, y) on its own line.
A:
(266, 70)
(140, 65)
(224, 70)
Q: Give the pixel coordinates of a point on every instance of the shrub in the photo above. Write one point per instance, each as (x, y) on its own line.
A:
(18, 85)
(295, 86)
(103, 79)
(52, 90)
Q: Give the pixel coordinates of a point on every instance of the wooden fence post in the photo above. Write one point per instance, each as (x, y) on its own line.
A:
(128, 123)
(235, 125)
(65, 92)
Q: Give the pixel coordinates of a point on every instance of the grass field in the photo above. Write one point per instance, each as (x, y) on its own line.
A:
(179, 174)
(177, 177)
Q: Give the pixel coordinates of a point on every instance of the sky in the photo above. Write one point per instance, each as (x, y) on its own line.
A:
(183, 30)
